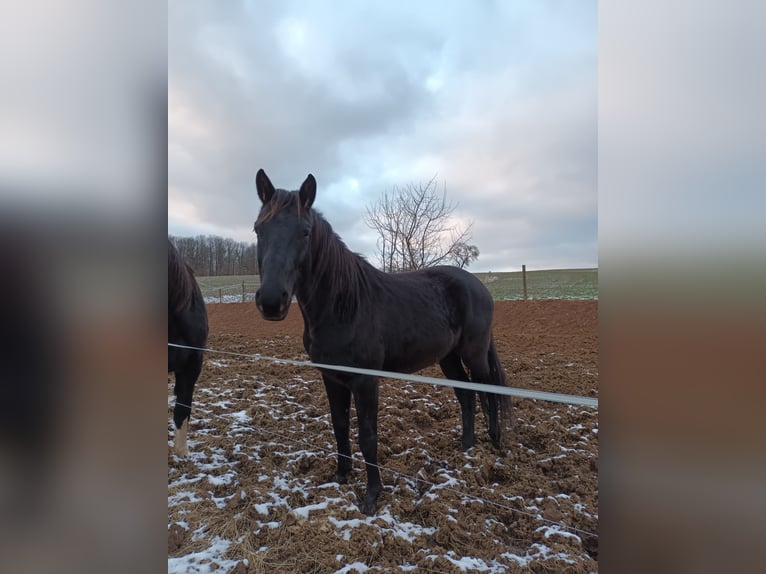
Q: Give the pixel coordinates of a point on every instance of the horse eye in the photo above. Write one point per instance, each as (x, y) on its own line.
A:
(306, 232)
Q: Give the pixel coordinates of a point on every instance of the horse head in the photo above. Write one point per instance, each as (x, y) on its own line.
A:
(283, 229)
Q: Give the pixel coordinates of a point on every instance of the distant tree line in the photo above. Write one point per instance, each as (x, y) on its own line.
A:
(211, 255)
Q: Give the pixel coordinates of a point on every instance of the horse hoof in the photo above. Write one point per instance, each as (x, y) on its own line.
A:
(368, 508)
(467, 445)
(339, 478)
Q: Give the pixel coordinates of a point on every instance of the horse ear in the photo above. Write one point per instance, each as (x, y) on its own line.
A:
(308, 191)
(264, 186)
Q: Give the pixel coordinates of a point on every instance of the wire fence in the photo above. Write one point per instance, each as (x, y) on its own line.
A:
(468, 385)
(243, 292)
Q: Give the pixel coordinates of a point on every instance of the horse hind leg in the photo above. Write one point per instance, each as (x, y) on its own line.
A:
(453, 369)
(489, 407)
(490, 402)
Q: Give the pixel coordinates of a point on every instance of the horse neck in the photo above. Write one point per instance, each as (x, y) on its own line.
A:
(332, 280)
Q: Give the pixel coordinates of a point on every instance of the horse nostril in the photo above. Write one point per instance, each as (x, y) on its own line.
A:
(285, 298)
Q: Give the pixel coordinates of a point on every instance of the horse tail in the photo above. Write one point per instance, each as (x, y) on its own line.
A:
(497, 377)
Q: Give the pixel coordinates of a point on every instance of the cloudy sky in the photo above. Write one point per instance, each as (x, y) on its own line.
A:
(497, 99)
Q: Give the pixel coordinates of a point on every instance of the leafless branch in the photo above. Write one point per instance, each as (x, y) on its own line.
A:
(415, 229)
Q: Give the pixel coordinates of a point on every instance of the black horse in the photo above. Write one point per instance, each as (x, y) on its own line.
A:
(356, 315)
(187, 325)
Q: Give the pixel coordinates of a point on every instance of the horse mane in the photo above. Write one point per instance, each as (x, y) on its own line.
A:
(181, 283)
(345, 276)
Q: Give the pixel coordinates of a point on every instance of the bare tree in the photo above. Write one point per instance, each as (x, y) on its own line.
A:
(415, 229)
(463, 254)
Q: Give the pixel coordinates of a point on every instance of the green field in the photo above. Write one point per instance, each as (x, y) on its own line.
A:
(547, 284)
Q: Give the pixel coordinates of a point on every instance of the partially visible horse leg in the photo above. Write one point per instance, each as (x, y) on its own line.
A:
(453, 369)
(186, 377)
(489, 405)
(478, 366)
(340, 403)
(486, 409)
(365, 391)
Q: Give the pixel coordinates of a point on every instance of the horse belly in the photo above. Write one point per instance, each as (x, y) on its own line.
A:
(409, 356)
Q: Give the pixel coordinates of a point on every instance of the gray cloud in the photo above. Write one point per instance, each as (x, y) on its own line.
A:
(499, 100)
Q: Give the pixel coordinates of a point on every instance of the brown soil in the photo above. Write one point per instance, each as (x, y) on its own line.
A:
(262, 445)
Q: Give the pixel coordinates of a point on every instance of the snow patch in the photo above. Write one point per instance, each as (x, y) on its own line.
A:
(205, 561)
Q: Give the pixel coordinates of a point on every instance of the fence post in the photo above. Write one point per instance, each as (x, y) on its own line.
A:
(243, 291)
(220, 295)
(524, 280)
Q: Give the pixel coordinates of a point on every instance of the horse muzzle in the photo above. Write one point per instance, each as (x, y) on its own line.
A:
(273, 304)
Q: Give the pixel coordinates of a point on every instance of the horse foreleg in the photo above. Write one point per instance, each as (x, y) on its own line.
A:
(366, 400)
(340, 404)
(184, 391)
(179, 441)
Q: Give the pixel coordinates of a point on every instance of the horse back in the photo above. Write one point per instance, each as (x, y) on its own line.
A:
(448, 291)
(405, 321)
